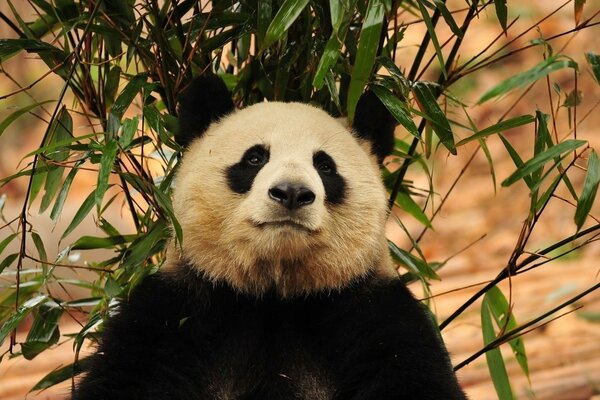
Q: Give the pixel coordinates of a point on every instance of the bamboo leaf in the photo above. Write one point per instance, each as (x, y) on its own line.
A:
(494, 356)
(80, 215)
(60, 130)
(541, 70)
(285, 17)
(93, 242)
(505, 320)
(516, 159)
(64, 190)
(44, 331)
(7, 241)
(590, 188)
(264, 14)
(10, 47)
(434, 115)
(406, 203)
(132, 89)
(61, 374)
(594, 61)
(540, 159)
(39, 246)
(397, 108)
(499, 128)
(107, 161)
(329, 57)
(112, 84)
(501, 13)
(414, 264)
(24, 309)
(8, 261)
(366, 51)
(440, 5)
(434, 39)
(16, 114)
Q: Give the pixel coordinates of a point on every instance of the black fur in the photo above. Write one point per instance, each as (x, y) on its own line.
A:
(181, 337)
(334, 183)
(373, 122)
(204, 100)
(241, 175)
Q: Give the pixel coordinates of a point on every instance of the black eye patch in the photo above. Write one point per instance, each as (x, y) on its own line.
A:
(334, 183)
(241, 175)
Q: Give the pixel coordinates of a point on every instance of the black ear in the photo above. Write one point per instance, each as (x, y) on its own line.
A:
(203, 101)
(373, 122)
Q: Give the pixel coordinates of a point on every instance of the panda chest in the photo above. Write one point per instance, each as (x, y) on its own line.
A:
(267, 353)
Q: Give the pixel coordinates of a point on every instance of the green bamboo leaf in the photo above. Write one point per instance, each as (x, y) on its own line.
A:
(540, 159)
(541, 70)
(328, 59)
(7, 241)
(264, 14)
(433, 35)
(10, 47)
(16, 114)
(501, 13)
(285, 17)
(440, 5)
(8, 261)
(93, 242)
(132, 89)
(141, 249)
(505, 320)
(38, 179)
(406, 203)
(366, 51)
(488, 157)
(112, 84)
(107, 161)
(39, 246)
(24, 309)
(590, 188)
(83, 211)
(64, 190)
(60, 130)
(499, 128)
(594, 61)
(129, 129)
(414, 264)
(516, 159)
(164, 201)
(434, 115)
(573, 99)
(44, 331)
(61, 374)
(494, 359)
(397, 108)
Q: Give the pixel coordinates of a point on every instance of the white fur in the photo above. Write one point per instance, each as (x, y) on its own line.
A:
(331, 245)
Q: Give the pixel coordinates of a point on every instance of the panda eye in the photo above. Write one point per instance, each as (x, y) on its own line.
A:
(256, 156)
(324, 164)
(325, 168)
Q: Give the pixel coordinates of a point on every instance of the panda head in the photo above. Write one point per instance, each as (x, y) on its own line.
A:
(280, 196)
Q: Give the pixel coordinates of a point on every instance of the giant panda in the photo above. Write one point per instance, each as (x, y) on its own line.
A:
(282, 287)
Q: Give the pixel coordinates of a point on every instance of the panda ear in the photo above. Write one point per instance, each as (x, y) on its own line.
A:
(374, 123)
(203, 101)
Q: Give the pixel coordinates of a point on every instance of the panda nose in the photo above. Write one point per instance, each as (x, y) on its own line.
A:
(291, 195)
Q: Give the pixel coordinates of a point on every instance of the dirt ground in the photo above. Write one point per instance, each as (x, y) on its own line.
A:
(476, 232)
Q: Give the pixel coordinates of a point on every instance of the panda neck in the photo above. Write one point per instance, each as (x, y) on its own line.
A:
(287, 278)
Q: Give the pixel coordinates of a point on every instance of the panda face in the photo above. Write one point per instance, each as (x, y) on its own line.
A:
(281, 196)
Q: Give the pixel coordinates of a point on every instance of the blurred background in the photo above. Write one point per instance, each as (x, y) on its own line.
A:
(473, 234)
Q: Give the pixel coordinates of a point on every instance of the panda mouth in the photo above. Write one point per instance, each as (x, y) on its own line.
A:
(282, 224)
